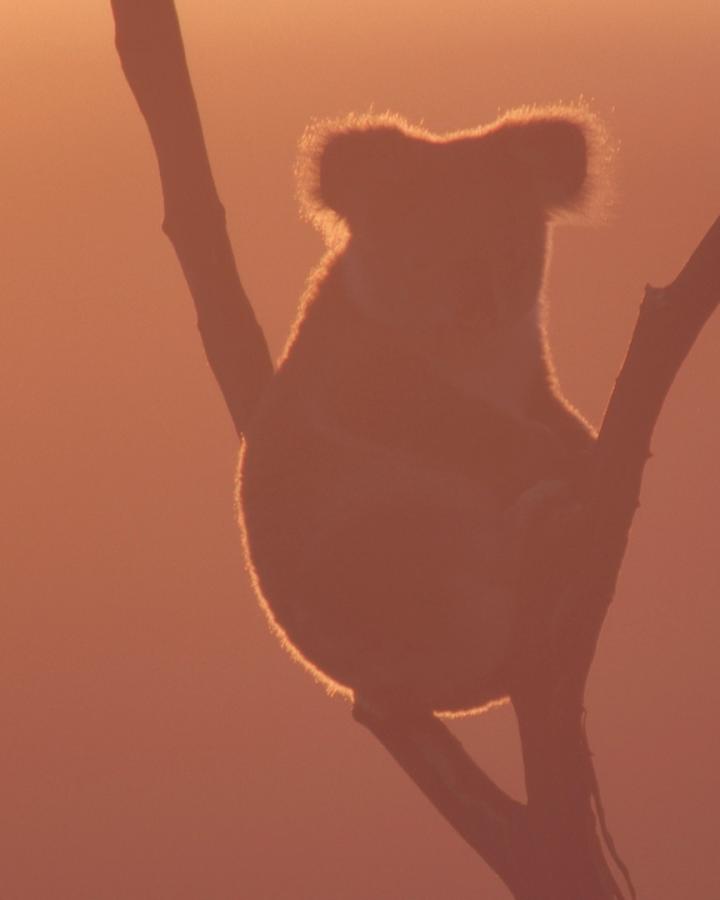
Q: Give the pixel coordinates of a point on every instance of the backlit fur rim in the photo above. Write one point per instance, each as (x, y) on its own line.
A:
(592, 204)
(332, 688)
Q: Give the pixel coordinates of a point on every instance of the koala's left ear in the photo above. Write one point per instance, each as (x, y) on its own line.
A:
(555, 148)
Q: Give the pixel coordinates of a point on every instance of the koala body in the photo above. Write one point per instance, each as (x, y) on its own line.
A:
(414, 410)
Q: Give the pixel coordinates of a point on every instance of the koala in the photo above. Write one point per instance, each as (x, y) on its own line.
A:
(414, 418)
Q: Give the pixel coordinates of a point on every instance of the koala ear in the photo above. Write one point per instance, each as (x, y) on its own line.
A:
(556, 148)
(355, 168)
(358, 170)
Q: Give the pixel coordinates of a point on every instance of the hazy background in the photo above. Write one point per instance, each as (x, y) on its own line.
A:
(156, 743)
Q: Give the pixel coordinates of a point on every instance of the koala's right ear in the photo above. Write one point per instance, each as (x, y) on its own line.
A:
(567, 153)
(356, 168)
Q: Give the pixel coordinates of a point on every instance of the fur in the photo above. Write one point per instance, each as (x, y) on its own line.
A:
(415, 410)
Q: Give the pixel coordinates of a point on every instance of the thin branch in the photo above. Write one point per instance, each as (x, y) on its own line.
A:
(150, 47)
(669, 322)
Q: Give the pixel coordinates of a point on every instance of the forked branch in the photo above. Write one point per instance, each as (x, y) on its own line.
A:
(549, 848)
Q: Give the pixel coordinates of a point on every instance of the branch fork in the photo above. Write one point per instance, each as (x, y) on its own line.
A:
(556, 846)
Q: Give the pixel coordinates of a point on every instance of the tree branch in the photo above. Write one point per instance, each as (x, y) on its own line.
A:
(553, 849)
(669, 322)
(548, 849)
(150, 47)
(489, 820)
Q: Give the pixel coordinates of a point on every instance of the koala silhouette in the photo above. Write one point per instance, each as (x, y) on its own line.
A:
(414, 414)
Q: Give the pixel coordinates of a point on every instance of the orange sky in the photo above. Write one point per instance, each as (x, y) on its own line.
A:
(159, 744)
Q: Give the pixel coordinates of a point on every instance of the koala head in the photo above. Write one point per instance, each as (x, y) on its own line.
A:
(454, 225)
